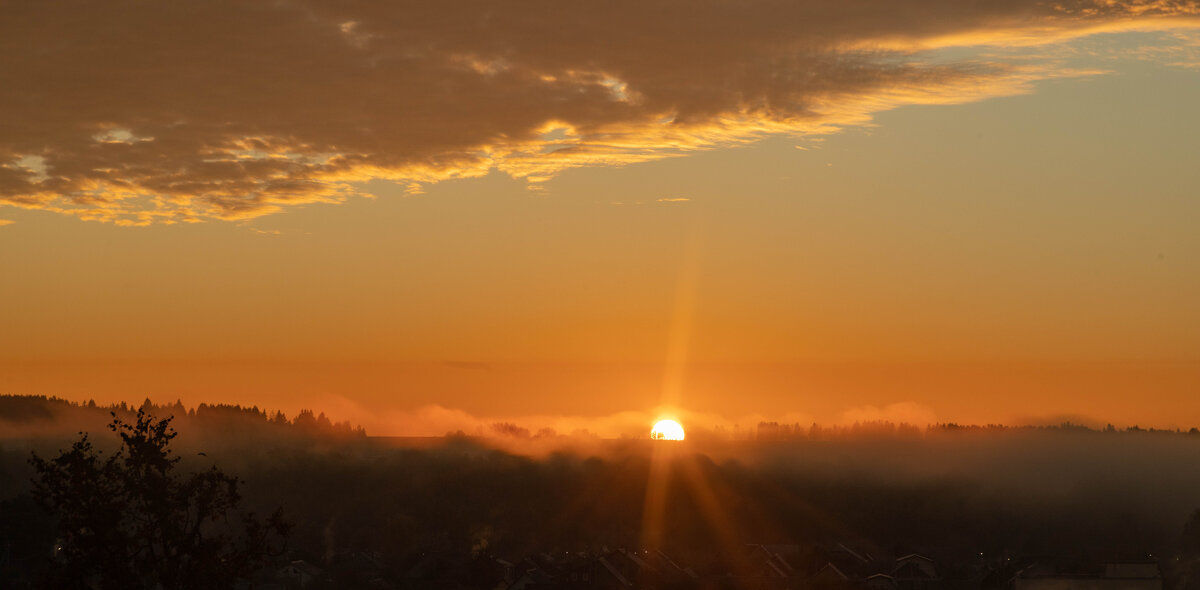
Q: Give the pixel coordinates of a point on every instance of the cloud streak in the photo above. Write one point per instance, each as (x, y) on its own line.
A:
(137, 113)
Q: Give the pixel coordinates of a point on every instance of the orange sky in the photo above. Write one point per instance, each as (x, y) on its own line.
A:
(426, 218)
(614, 399)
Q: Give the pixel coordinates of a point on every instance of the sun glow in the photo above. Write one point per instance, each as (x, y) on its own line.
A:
(667, 430)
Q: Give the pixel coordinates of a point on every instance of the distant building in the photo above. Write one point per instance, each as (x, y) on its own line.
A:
(880, 582)
(1112, 576)
(828, 576)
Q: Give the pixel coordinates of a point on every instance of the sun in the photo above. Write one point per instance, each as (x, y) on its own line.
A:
(667, 430)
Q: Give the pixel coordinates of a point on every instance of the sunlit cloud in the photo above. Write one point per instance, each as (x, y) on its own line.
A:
(1180, 49)
(135, 115)
(265, 232)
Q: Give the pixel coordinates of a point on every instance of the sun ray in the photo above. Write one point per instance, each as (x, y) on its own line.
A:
(703, 491)
(682, 317)
(658, 483)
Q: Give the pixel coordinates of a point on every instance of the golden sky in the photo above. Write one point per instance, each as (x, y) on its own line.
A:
(421, 215)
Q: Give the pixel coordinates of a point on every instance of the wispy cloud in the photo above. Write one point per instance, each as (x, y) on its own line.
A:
(4, 222)
(182, 112)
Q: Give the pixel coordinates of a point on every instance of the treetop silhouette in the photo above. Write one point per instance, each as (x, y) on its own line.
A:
(130, 520)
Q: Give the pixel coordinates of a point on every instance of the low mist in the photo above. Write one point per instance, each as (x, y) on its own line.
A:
(951, 491)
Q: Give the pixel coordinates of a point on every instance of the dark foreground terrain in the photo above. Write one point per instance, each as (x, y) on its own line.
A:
(873, 507)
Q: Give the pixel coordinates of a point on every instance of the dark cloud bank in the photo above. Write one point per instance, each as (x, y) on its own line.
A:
(140, 112)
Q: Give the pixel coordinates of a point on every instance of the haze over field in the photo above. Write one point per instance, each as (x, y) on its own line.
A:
(1018, 496)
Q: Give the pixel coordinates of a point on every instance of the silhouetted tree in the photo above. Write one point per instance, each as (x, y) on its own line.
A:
(130, 521)
(510, 429)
